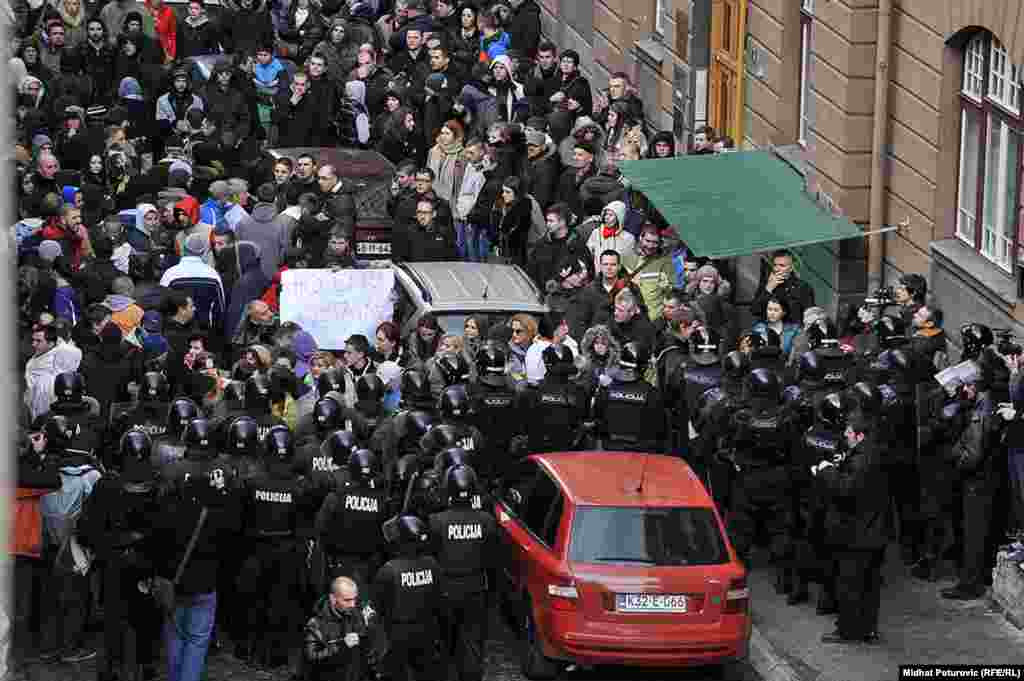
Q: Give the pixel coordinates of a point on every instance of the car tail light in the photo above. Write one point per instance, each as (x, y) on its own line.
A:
(737, 597)
(563, 596)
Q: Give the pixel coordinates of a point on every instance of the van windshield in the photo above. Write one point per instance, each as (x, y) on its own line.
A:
(646, 536)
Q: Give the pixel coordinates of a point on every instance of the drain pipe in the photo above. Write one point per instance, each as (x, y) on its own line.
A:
(879, 142)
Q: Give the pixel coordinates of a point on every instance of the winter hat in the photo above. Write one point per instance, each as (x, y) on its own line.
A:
(49, 250)
(267, 192)
(585, 146)
(39, 141)
(197, 245)
(304, 345)
(180, 165)
(152, 322)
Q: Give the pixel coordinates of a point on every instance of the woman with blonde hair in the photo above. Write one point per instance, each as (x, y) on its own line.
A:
(449, 346)
(524, 331)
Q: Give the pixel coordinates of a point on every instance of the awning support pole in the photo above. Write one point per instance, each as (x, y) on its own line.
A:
(876, 242)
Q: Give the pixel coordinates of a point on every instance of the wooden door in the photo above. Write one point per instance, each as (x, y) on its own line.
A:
(725, 93)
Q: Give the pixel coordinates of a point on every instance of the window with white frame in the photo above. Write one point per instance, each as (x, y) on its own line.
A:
(990, 151)
(806, 24)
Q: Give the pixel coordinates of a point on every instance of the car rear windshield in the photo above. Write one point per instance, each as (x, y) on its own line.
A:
(455, 322)
(646, 536)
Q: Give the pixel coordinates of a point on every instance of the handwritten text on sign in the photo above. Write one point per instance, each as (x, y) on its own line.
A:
(332, 306)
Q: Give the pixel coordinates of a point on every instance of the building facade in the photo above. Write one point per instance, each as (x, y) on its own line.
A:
(799, 76)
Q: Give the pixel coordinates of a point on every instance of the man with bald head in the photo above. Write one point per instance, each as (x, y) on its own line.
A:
(336, 639)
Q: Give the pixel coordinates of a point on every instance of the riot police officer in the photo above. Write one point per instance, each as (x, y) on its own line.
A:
(87, 428)
(823, 440)
(325, 419)
(348, 523)
(464, 542)
(766, 351)
(257, 405)
(200, 448)
(168, 447)
(149, 414)
(364, 417)
(268, 578)
(408, 594)
(456, 409)
(387, 439)
(496, 407)
(630, 412)
(692, 379)
(711, 420)
(450, 368)
(334, 382)
(400, 438)
(761, 490)
(558, 408)
(416, 391)
(121, 513)
(899, 428)
(241, 449)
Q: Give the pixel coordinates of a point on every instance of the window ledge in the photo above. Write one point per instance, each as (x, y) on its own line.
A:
(983, 276)
(650, 51)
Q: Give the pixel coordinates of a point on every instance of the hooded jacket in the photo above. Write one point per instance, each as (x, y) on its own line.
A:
(511, 99)
(250, 285)
(354, 118)
(592, 367)
(166, 25)
(172, 107)
(198, 36)
(270, 236)
(524, 27)
(663, 136)
(566, 146)
(622, 241)
(542, 174)
(341, 58)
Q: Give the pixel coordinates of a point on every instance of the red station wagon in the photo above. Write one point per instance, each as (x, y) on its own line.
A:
(618, 558)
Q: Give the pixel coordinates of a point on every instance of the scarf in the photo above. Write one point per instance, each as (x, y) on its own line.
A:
(608, 232)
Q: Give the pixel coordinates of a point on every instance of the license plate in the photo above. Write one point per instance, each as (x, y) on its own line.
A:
(650, 603)
(373, 248)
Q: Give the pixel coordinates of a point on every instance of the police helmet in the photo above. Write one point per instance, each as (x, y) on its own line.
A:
(454, 402)
(811, 367)
(135, 445)
(437, 439)
(704, 344)
(558, 360)
(916, 285)
(242, 435)
(453, 367)
(891, 331)
(450, 456)
(326, 414)
(736, 365)
(822, 334)
(198, 434)
(339, 445)
(896, 363)
(634, 357)
(362, 464)
(330, 380)
(416, 388)
(491, 362)
(257, 392)
(154, 387)
(234, 391)
(460, 484)
(405, 529)
(279, 443)
(370, 388)
(975, 338)
(764, 384)
(181, 412)
(68, 387)
(862, 396)
(58, 430)
(411, 425)
(830, 410)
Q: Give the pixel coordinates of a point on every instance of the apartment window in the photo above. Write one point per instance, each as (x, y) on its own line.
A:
(990, 151)
(806, 23)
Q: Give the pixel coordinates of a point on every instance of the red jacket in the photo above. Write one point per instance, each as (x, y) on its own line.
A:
(166, 28)
(73, 245)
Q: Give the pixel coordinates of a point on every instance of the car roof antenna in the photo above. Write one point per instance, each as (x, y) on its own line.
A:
(643, 474)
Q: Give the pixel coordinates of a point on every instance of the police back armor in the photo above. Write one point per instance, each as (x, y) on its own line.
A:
(463, 543)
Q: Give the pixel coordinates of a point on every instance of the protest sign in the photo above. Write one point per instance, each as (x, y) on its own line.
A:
(333, 305)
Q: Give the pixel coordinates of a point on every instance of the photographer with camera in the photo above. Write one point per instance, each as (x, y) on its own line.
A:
(928, 341)
(783, 283)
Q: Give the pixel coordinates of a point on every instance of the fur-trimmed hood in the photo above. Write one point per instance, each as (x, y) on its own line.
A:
(586, 358)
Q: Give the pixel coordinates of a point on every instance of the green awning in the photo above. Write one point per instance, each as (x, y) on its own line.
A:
(735, 204)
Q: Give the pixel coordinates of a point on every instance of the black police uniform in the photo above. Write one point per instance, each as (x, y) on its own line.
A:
(118, 522)
(399, 436)
(168, 448)
(269, 579)
(464, 541)
(497, 410)
(408, 594)
(348, 525)
(631, 416)
(712, 420)
(557, 409)
(764, 433)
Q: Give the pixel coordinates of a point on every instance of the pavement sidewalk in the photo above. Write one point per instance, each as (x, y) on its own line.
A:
(917, 626)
